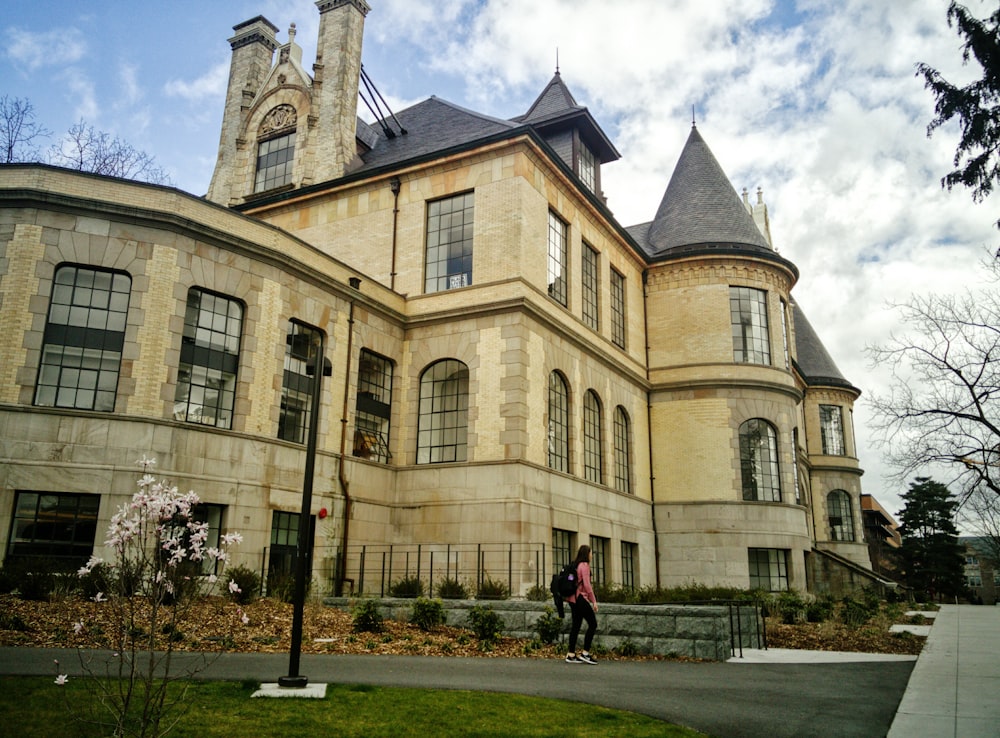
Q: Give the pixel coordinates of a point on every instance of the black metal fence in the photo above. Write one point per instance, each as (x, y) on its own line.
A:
(373, 569)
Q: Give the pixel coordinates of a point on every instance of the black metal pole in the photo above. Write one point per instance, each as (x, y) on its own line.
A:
(294, 679)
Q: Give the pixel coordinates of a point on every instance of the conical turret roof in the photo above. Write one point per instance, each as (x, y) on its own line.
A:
(701, 206)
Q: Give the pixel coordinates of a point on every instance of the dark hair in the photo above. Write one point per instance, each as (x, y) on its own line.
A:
(583, 554)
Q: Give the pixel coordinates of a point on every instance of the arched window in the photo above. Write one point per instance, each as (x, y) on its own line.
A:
(443, 421)
(838, 506)
(593, 438)
(759, 461)
(276, 149)
(558, 423)
(623, 451)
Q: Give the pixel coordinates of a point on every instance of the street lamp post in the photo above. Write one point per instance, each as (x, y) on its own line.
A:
(314, 362)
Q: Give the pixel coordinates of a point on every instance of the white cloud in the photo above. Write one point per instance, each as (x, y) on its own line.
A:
(57, 47)
(212, 84)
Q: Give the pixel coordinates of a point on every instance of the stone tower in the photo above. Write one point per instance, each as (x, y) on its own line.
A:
(283, 128)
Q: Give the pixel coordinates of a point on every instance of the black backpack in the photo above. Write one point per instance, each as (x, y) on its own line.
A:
(564, 583)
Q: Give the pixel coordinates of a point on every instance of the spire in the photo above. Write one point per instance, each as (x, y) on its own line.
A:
(700, 205)
(555, 98)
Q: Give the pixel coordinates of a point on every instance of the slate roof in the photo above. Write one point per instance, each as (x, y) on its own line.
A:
(701, 208)
(555, 100)
(812, 359)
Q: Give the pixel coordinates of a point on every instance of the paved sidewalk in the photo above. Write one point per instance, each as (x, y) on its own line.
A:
(954, 690)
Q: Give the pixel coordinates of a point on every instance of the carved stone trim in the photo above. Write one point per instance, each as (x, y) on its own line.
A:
(279, 118)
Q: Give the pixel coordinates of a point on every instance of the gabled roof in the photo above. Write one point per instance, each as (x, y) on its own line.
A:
(812, 358)
(701, 208)
(556, 109)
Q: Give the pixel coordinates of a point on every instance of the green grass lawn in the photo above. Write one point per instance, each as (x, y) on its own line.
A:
(35, 707)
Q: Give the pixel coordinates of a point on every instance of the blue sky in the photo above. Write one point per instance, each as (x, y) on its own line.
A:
(815, 102)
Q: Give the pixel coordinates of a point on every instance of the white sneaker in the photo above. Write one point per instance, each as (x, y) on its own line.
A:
(586, 658)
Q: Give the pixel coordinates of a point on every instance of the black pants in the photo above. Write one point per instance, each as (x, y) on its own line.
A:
(581, 610)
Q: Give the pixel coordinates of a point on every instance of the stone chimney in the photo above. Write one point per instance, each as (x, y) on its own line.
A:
(336, 75)
(253, 50)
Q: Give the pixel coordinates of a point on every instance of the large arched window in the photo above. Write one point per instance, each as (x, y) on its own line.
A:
(623, 451)
(442, 428)
(759, 461)
(838, 506)
(593, 438)
(558, 423)
(275, 149)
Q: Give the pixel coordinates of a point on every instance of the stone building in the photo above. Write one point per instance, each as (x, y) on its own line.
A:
(513, 372)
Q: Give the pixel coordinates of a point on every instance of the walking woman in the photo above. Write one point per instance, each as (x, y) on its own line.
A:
(583, 606)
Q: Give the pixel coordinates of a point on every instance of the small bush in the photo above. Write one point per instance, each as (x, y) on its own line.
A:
(614, 593)
(492, 589)
(407, 587)
(427, 614)
(366, 617)
(247, 580)
(548, 626)
(13, 621)
(281, 586)
(820, 610)
(854, 613)
(538, 594)
(486, 624)
(791, 607)
(628, 648)
(37, 586)
(98, 579)
(10, 575)
(452, 589)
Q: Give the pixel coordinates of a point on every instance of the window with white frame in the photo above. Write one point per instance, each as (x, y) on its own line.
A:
(558, 249)
(558, 423)
(210, 355)
(83, 340)
(839, 508)
(449, 243)
(759, 461)
(768, 569)
(442, 424)
(593, 440)
(831, 428)
(748, 314)
(623, 451)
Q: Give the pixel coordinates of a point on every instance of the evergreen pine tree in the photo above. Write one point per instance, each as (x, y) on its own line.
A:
(931, 556)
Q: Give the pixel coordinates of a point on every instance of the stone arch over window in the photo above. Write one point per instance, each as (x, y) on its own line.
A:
(443, 419)
(759, 461)
(558, 422)
(841, 514)
(593, 438)
(275, 148)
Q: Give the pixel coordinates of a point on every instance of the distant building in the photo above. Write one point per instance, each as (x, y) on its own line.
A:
(882, 535)
(982, 570)
(514, 372)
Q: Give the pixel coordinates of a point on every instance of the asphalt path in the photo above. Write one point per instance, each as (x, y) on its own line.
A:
(724, 700)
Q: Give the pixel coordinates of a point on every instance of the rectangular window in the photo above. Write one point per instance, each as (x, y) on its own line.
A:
(449, 243)
(371, 418)
(297, 382)
(58, 528)
(598, 560)
(974, 580)
(587, 167)
(558, 237)
(748, 312)
(275, 158)
(591, 301)
(769, 569)
(831, 426)
(284, 547)
(795, 466)
(210, 354)
(83, 341)
(211, 514)
(630, 557)
(618, 309)
(562, 548)
(784, 334)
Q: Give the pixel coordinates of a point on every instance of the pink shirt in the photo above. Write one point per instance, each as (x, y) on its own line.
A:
(583, 586)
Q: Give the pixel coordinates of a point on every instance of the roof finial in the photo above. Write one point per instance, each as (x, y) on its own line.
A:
(693, 123)
(557, 60)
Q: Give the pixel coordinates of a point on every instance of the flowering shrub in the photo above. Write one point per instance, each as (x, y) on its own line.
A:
(159, 553)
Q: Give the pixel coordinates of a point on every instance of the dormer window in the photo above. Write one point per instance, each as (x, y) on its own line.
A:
(587, 168)
(276, 149)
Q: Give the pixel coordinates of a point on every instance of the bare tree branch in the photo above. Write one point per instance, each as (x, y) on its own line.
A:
(18, 131)
(89, 150)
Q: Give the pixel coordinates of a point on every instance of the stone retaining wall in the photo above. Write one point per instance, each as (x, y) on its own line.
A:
(702, 631)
